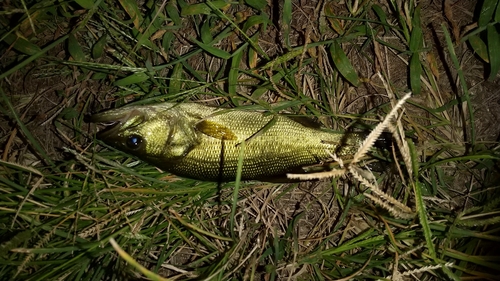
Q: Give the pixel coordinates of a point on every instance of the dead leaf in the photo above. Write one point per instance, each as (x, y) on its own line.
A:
(448, 13)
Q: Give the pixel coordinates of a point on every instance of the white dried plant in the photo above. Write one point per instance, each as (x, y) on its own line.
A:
(395, 207)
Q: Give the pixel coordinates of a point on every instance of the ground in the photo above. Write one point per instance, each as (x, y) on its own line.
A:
(66, 194)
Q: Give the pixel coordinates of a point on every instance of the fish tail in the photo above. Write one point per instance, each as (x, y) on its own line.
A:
(384, 141)
(349, 143)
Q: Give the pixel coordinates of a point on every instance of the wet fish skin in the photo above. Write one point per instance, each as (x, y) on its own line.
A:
(202, 142)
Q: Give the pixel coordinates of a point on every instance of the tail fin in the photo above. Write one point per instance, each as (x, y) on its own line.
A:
(385, 141)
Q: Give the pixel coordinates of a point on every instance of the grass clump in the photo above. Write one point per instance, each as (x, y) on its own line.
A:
(73, 208)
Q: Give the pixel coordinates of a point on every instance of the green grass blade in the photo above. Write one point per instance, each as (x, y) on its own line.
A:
(415, 73)
(256, 4)
(132, 10)
(287, 20)
(98, 48)
(493, 40)
(213, 50)
(86, 4)
(416, 43)
(486, 13)
(205, 33)
(134, 263)
(233, 75)
(496, 17)
(202, 8)
(21, 44)
(132, 79)
(420, 204)
(33, 57)
(176, 77)
(173, 13)
(463, 83)
(479, 47)
(74, 48)
(236, 190)
(343, 64)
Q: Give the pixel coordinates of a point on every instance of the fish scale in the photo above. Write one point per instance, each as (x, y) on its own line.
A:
(202, 142)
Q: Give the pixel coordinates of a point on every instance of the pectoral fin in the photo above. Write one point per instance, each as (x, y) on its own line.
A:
(215, 130)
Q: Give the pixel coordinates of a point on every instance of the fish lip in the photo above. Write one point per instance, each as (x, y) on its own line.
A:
(112, 120)
(112, 116)
(109, 131)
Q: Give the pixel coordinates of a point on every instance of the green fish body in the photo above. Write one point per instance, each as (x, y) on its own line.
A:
(201, 142)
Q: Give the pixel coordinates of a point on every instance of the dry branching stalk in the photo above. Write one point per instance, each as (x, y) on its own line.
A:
(31, 255)
(417, 271)
(396, 208)
(375, 134)
(319, 175)
(398, 131)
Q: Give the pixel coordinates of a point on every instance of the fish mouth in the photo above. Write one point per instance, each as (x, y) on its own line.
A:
(114, 121)
(112, 116)
(109, 131)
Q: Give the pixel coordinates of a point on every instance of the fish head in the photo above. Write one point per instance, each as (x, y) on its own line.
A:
(148, 132)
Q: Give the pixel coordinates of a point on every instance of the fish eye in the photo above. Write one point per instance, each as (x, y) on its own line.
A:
(134, 142)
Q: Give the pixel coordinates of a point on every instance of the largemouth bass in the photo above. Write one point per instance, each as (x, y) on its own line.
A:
(201, 142)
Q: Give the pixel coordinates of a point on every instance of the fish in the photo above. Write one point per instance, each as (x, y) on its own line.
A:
(202, 142)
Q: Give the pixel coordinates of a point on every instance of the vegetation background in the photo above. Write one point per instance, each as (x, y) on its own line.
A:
(74, 209)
